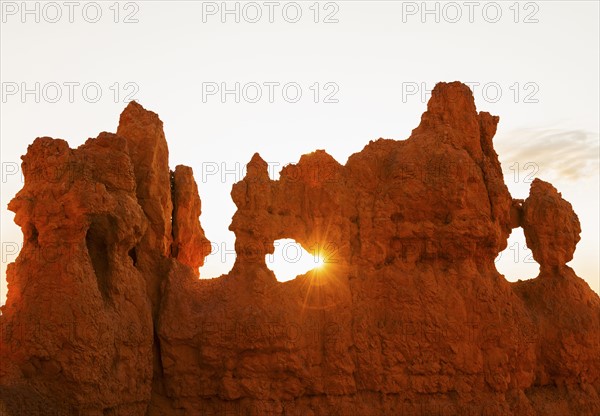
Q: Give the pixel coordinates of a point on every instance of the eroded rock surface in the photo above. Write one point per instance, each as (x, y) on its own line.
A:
(409, 316)
(189, 246)
(550, 225)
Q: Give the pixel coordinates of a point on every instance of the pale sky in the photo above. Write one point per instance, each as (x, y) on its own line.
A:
(535, 65)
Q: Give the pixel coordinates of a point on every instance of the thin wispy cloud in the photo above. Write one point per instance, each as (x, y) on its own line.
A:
(569, 154)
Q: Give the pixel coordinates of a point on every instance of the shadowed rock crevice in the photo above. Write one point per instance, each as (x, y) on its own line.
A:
(411, 318)
(98, 251)
(133, 256)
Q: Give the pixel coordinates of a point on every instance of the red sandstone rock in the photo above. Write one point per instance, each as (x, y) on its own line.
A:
(189, 244)
(77, 327)
(150, 158)
(409, 316)
(550, 225)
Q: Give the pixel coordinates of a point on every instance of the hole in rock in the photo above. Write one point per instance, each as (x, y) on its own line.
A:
(34, 235)
(290, 260)
(133, 254)
(98, 251)
(516, 262)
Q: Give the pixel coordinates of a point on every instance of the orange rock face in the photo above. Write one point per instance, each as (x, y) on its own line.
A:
(550, 225)
(106, 314)
(189, 246)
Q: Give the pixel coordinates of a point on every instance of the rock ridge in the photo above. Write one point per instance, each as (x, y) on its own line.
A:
(106, 314)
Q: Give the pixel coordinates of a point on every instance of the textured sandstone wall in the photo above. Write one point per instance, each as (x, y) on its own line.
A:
(106, 315)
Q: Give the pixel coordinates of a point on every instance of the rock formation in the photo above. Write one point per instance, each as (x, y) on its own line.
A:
(106, 315)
